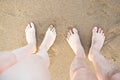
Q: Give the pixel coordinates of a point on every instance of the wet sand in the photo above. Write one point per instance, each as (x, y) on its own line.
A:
(63, 14)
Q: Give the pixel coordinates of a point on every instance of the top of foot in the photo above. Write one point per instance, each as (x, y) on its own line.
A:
(49, 38)
(98, 38)
(74, 42)
(30, 34)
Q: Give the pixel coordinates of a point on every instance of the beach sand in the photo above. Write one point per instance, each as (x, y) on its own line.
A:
(63, 14)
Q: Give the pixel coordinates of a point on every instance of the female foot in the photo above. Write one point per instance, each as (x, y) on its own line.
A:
(30, 35)
(49, 38)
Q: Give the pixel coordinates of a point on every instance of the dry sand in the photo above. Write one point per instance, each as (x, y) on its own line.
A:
(82, 14)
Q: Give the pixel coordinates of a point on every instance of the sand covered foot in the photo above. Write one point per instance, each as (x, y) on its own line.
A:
(49, 38)
(98, 39)
(30, 35)
(75, 43)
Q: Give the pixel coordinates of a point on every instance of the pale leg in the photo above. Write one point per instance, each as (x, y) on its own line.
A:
(36, 66)
(104, 68)
(31, 68)
(7, 59)
(79, 69)
(47, 43)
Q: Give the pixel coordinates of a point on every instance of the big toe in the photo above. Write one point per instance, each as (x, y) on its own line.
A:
(100, 31)
(53, 29)
(75, 30)
(32, 26)
(68, 35)
(27, 28)
(95, 29)
(50, 28)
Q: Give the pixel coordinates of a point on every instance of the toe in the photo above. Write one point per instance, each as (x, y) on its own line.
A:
(27, 28)
(68, 35)
(32, 25)
(99, 30)
(95, 29)
(103, 37)
(55, 33)
(53, 29)
(70, 31)
(67, 38)
(103, 34)
(75, 30)
(50, 27)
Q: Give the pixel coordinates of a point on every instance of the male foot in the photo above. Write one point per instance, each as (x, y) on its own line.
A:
(98, 39)
(49, 38)
(30, 35)
(75, 43)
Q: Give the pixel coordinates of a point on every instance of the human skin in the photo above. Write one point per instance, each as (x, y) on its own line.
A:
(79, 69)
(9, 58)
(105, 69)
(34, 67)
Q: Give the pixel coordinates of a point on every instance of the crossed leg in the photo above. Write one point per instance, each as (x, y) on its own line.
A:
(7, 59)
(79, 69)
(105, 69)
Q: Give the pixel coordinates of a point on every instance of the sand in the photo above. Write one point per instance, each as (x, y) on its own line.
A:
(63, 14)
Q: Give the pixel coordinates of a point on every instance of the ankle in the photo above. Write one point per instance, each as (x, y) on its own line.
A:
(93, 52)
(33, 47)
(42, 48)
(94, 49)
(32, 44)
(80, 53)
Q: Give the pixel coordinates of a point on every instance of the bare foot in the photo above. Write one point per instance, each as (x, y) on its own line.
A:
(49, 38)
(30, 35)
(98, 39)
(74, 42)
